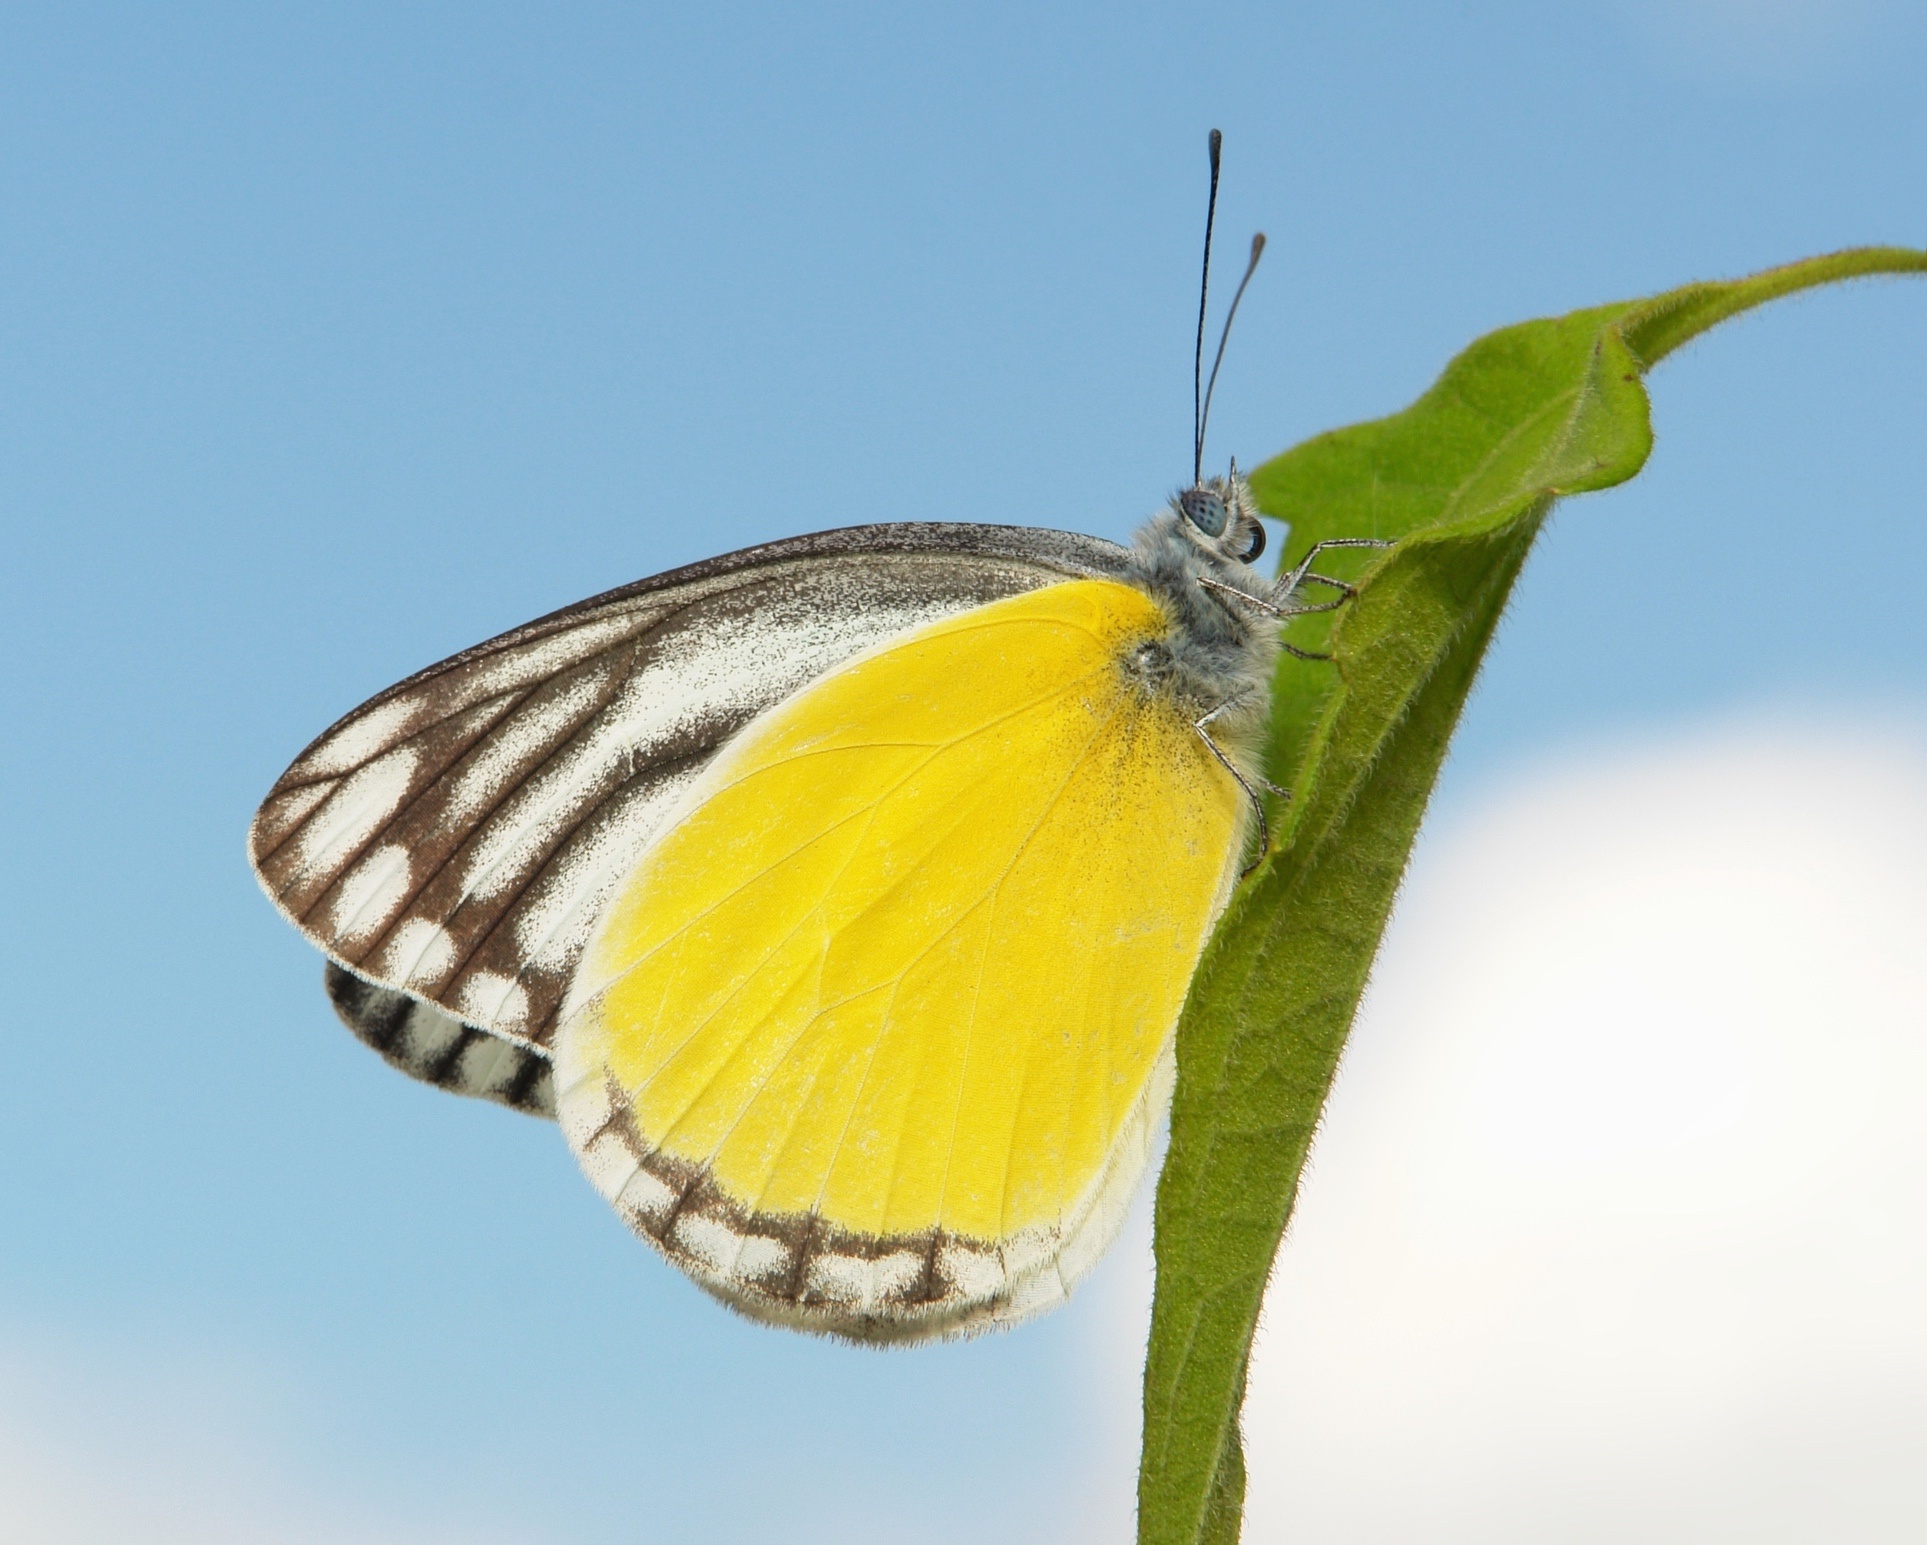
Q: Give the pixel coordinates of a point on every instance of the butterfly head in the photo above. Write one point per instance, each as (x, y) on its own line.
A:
(1220, 515)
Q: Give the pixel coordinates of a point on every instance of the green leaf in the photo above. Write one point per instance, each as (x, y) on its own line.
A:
(1462, 480)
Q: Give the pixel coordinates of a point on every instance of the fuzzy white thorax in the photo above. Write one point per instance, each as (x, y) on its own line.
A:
(1221, 650)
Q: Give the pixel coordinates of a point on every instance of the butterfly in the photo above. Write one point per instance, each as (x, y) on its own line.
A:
(838, 896)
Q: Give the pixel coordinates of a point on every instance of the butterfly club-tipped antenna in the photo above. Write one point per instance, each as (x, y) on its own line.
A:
(1201, 390)
(1204, 295)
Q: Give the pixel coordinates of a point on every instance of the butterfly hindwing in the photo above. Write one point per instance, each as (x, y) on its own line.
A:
(871, 1039)
(454, 840)
(428, 1043)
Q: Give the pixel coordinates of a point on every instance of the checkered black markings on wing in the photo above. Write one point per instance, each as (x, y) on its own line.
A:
(798, 1270)
(428, 1044)
(456, 837)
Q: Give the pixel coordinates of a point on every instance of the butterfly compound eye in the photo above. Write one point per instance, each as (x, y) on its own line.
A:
(1203, 509)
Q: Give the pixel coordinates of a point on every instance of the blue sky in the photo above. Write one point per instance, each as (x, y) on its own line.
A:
(337, 338)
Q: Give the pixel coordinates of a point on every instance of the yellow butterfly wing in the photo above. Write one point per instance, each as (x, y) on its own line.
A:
(873, 1038)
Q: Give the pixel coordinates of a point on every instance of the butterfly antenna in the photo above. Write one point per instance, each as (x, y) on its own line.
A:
(1204, 291)
(1257, 251)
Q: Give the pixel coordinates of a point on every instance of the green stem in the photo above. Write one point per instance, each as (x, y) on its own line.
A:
(1463, 479)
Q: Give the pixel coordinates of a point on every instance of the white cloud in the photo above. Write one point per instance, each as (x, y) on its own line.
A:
(1618, 1225)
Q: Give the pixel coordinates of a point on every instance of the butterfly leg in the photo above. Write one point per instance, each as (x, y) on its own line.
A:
(1302, 575)
(1324, 606)
(1283, 614)
(1257, 801)
(1346, 592)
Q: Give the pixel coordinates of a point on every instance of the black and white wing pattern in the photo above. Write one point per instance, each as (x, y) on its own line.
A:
(451, 842)
(431, 1044)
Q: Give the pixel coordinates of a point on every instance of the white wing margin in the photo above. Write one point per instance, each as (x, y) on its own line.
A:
(455, 837)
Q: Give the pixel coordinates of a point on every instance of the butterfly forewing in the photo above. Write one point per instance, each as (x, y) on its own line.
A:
(456, 838)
